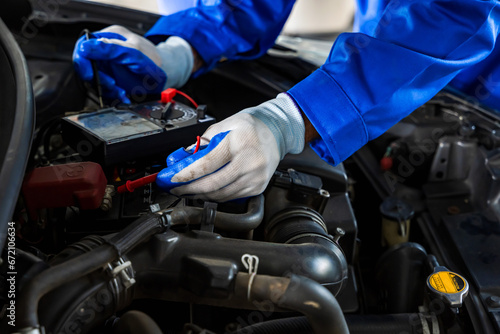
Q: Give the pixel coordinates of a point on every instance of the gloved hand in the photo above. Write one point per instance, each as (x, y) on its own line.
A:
(130, 64)
(241, 156)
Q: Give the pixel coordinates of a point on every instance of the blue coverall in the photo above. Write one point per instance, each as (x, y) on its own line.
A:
(401, 54)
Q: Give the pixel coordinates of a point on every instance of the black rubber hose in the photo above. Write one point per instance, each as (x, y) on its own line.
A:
(225, 221)
(55, 276)
(84, 264)
(136, 322)
(296, 325)
(300, 294)
(357, 324)
(138, 231)
(17, 124)
(316, 303)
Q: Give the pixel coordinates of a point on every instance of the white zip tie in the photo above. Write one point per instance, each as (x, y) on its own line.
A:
(251, 263)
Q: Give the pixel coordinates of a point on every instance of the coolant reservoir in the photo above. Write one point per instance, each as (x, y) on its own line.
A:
(396, 216)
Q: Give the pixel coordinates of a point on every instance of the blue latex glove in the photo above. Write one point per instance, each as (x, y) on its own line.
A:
(183, 158)
(242, 155)
(130, 64)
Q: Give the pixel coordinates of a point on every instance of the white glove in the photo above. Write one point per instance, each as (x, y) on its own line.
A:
(242, 163)
(174, 56)
(177, 61)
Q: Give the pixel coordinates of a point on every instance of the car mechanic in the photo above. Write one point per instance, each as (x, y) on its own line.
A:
(401, 53)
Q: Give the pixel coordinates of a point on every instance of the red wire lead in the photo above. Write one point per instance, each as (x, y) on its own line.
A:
(168, 95)
(130, 186)
(188, 97)
(198, 139)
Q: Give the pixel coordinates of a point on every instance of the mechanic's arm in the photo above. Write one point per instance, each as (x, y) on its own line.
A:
(367, 85)
(370, 82)
(242, 29)
(190, 41)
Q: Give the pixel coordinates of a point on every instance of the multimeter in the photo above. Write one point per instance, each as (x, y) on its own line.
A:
(128, 132)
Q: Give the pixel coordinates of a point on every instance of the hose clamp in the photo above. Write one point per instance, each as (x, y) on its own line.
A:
(124, 271)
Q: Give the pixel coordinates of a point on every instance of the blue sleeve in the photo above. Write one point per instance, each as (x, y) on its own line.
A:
(226, 29)
(410, 50)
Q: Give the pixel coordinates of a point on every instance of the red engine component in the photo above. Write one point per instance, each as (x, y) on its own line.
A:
(77, 184)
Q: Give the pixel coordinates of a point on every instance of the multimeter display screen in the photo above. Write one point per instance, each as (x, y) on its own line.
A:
(116, 125)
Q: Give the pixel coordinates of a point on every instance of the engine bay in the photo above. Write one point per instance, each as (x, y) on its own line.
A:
(402, 237)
